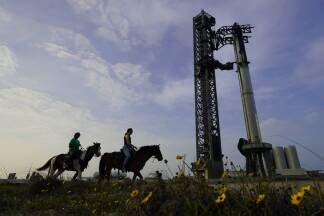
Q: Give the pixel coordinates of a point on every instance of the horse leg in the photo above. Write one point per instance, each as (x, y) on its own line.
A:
(77, 167)
(108, 173)
(52, 168)
(140, 175)
(59, 172)
(75, 175)
(134, 177)
(49, 172)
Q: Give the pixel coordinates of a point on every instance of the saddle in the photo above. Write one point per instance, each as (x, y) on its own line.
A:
(70, 157)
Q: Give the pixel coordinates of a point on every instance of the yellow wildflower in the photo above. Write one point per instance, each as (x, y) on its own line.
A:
(221, 198)
(134, 193)
(147, 198)
(306, 189)
(251, 174)
(181, 173)
(260, 198)
(200, 164)
(297, 198)
(224, 175)
(179, 157)
(223, 190)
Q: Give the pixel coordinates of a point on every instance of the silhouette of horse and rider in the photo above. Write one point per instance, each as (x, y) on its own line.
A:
(77, 159)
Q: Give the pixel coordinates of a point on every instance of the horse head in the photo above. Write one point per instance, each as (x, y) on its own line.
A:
(157, 152)
(97, 149)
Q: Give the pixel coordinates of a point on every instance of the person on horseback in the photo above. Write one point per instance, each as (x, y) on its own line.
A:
(74, 150)
(128, 148)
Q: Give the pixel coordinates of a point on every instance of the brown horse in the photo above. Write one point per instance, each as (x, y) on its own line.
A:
(59, 162)
(115, 160)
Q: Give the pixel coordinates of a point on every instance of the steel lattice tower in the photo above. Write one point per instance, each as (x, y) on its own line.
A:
(208, 142)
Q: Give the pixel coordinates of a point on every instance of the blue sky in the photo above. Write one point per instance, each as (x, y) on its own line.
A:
(101, 66)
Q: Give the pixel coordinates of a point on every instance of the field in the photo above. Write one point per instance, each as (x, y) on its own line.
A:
(179, 196)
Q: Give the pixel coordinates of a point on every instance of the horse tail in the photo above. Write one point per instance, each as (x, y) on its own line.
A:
(46, 165)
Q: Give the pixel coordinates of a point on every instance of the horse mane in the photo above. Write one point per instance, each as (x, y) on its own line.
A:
(92, 146)
(145, 148)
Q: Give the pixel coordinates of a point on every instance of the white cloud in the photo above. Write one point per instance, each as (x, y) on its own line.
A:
(311, 68)
(58, 51)
(8, 63)
(4, 16)
(129, 23)
(131, 74)
(174, 92)
(95, 64)
(72, 40)
(119, 84)
(122, 84)
(82, 5)
(116, 93)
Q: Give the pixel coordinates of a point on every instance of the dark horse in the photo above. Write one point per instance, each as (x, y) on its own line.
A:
(59, 162)
(115, 160)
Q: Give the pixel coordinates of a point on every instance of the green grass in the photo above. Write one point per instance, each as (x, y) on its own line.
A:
(181, 196)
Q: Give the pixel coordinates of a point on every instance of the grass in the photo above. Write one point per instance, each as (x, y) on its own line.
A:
(179, 196)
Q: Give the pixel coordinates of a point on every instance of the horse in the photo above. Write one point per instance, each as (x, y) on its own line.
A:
(114, 160)
(58, 162)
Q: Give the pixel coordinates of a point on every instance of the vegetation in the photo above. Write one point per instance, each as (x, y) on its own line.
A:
(179, 196)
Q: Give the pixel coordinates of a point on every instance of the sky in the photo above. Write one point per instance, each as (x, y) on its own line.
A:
(102, 66)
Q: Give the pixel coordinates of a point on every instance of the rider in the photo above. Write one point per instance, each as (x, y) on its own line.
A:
(128, 148)
(74, 148)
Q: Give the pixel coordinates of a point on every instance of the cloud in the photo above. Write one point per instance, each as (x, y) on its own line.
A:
(128, 23)
(73, 40)
(118, 95)
(8, 63)
(310, 70)
(58, 51)
(175, 92)
(4, 16)
(82, 5)
(133, 74)
(120, 84)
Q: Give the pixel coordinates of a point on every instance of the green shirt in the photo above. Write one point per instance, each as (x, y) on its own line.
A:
(74, 144)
